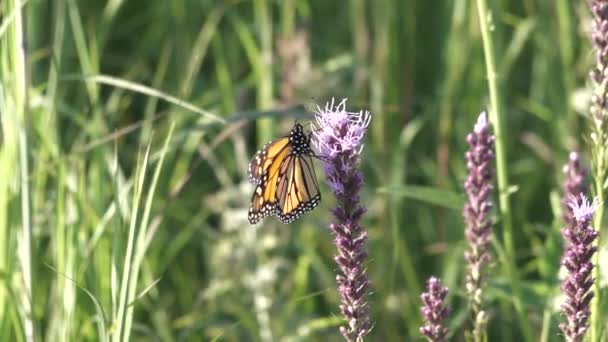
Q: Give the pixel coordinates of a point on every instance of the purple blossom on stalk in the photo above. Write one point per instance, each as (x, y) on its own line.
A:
(599, 38)
(577, 260)
(338, 139)
(478, 188)
(574, 184)
(599, 135)
(434, 311)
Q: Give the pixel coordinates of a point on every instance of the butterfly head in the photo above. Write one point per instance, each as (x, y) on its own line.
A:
(297, 127)
(299, 140)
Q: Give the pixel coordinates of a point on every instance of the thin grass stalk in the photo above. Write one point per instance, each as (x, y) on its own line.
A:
(382, 13)
(224, 78)
(359, 29)
(61, 319)
(57, 320)
(496, 117)
(5, 176)
(8, 174)
(455, 63)
(141, 245)
(126, 277)
(21, 87)
(401, 255)
(64, 253)
(116, 268)
(84, 54)
(265, 86)
(288, 17)
(54, 69)
(599, 175)
(152, 102)
(596, 302)
(567, 59)
(200, 51)
(546, 325)
(265, 131)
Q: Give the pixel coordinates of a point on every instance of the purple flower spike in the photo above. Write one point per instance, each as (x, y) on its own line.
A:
(434, 311)
(574, 184)
(478, 188)
(598, 115)
(599, 38)
(577, 260)
(337, 138)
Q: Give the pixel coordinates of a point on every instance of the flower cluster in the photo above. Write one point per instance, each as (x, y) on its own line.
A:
(577, 260)
(434, 311)
(478, 188)
(574, 184)
(337, 139)
(599, 38)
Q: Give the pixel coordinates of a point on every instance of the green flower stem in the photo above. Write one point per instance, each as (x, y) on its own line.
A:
(495, 114)
(599, 177)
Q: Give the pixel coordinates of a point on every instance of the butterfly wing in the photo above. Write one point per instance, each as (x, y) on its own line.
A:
(264, 174)
(264, 157)
(297, 189)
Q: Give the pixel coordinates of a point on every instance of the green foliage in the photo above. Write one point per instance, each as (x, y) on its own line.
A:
(127, 125)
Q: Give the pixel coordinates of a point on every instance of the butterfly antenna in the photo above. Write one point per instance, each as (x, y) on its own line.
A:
(322, 158)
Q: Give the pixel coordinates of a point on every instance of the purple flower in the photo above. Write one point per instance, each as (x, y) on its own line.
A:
(577, 261)
(574, 184)
(598, 115)
(434, 311)
(337, 138)
(582, 210)
(478, 188)
(599, 38)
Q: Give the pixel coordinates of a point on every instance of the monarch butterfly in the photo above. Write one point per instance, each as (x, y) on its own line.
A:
(284, 177)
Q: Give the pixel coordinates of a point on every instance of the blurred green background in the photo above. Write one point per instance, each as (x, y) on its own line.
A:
(127, 127)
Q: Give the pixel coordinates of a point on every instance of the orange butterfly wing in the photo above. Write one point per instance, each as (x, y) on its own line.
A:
(284, 178)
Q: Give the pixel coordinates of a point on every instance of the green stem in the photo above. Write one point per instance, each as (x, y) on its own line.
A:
(21, 104)
(288, 17)
(566, 52)
(495, 113)
(264, 89)
(596, 308)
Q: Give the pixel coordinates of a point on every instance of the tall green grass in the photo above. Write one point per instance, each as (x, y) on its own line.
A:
(126, 128)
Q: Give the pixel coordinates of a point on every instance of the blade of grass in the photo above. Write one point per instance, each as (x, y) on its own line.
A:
(84, 54)
(143, 89)
(101, 316)
(8, 19)
(496, 117)
(443, 198)
(8, 173)
(20, 98)
(264, 60)
(141, 246)
(120, 321)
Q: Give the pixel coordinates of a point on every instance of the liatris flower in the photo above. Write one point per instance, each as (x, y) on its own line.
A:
(599, 136)
(599, 38)
(574, 184)
(478, 188)
(577, 260)
(434, 311)
(338, 139)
